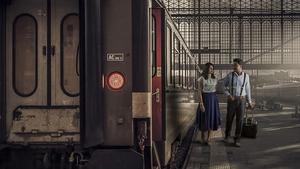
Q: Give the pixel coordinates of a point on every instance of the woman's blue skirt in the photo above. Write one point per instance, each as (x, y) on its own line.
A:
(211, 118)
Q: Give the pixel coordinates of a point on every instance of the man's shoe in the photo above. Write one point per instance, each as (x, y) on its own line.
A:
(237, 144)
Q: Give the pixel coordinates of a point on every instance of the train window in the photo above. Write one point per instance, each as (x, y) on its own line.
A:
(187, 63)
(70, 54)
(181, 68)
(192, 73)
(190, 85)
(153, 51)
(187, 70)
(25, 55)
(184, 68)
(169, 61)
(195, 75)
(196, 72)
(176, 61)
(173, 60)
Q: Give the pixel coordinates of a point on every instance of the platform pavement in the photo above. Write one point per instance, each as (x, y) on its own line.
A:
(277, 145)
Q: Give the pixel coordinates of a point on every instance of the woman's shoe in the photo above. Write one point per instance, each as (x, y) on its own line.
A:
(226, 140)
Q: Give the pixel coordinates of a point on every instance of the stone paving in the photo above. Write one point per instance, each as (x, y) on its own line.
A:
(277, 145)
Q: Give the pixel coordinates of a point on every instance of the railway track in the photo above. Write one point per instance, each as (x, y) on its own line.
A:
(180, 154)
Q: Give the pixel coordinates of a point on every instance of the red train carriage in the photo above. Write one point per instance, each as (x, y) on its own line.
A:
(174, 76)
(92, 84)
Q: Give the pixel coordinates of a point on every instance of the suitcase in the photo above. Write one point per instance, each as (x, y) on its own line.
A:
(249, 128)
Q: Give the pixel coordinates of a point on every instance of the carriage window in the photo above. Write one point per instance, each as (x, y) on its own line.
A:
(192, 74)
(189, 70)
(25, 55)
(169, 64)
(153, 51)
(176, 62)
(196, 74)
(181, 66)
(184, 63)
(187, 76)
(70, 54)
(187, 63)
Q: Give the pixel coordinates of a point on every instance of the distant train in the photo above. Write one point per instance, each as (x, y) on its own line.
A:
(274, 96)
(88, 84)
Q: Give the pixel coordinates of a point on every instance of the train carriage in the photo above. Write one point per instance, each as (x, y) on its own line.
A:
(175, 115)
(92, 84)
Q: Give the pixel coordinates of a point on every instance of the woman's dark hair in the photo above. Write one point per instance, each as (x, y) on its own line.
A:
(206, 69)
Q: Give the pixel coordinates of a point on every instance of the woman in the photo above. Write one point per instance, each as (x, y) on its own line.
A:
(209, 104)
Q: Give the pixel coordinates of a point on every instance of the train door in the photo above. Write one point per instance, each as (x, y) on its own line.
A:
(42, 38)
(65, 52)
(157, 78)
(26, 60)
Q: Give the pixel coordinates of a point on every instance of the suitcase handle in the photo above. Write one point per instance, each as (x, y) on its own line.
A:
(249, 109)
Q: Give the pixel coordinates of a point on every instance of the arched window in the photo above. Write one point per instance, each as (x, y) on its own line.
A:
(266, 42)
(25, 55)
(225, 42)
(70, 54)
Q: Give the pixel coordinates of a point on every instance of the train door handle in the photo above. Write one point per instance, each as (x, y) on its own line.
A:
(157, 95)
(44, 50)
(52, 50)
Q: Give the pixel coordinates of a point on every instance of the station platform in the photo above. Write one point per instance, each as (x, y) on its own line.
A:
(277, 145)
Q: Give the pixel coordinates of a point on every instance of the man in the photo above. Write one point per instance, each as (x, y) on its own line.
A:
(238, 91)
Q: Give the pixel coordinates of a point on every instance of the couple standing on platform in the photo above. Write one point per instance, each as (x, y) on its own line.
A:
(238, 92)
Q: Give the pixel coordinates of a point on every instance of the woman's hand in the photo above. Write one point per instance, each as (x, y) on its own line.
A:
(202, 108)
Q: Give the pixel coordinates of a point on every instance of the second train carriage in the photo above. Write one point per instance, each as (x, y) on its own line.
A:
(92, 84)
(176, 113)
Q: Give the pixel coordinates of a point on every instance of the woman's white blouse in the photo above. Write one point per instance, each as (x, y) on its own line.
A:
(209, 84)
